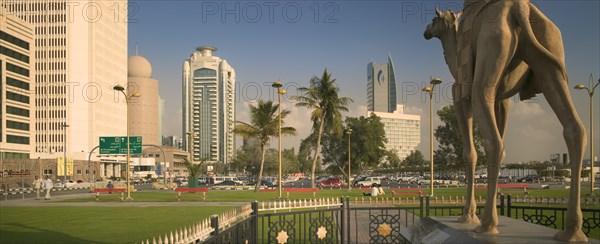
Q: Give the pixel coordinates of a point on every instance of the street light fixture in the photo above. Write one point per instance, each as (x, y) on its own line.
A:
(127, 100)
(278, 85)
(591, 93)
(349, 132)
(435, 81)
(64, 126)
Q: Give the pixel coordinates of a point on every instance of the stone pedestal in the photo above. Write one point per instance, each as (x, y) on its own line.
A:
(445, 229)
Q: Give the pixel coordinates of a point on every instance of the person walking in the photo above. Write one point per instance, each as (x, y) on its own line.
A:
(48, 185)
(37, 186)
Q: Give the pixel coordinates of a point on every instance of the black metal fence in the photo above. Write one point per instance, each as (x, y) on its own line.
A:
(341, 222)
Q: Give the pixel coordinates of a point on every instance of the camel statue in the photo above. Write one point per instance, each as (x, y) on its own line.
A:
(521, 51)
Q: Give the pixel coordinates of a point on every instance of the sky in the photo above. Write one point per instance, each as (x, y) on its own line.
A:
(292, 41)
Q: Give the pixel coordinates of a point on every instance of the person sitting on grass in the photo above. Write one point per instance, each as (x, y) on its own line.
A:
(374, 191)
(381, 192)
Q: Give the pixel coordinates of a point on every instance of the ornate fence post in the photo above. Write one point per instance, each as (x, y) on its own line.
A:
(508, 205)
(343, 218)
(421, 198)
(214, 223)
(255, 222)
(348, 218)
(501, 204)
(427, 206)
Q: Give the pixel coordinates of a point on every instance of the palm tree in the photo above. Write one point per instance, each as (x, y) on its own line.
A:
(322, 97)
(193, 170)
(264, 124)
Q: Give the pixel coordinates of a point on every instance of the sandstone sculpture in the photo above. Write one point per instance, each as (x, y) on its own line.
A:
(499, 49)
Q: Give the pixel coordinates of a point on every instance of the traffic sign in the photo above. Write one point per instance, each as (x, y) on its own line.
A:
(118, 145)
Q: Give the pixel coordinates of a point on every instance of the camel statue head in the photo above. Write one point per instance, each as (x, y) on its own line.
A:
(441, 24)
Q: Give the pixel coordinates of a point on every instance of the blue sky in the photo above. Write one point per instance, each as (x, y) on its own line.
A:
(294, 40)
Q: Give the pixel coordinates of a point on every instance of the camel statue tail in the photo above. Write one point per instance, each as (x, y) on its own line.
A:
(524, 11)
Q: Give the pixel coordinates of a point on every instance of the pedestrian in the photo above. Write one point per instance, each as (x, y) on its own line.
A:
(110, 186)
(37, 185)
(381, 192)
(374, 191)
(48, 185)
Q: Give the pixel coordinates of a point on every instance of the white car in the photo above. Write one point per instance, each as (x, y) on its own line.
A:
(369, 181)
(59, 184)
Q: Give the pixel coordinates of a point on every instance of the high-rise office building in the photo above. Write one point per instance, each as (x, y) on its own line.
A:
(80, 54)
(17, 120)
(381, 87)
(208, 106)
(402, 131)
(143, 110)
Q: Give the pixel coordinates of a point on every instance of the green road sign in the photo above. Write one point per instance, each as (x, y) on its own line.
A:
(118, 145)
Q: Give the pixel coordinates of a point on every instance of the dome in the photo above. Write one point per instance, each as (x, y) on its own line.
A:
(138, 66)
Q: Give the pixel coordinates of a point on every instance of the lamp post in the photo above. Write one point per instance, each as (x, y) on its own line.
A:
(591, 93)
(435, 81)
(127, 100)
(349, 132)
(64, 126)
(278, 85)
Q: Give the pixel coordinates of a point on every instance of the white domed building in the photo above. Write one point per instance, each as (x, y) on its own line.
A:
(143, 110)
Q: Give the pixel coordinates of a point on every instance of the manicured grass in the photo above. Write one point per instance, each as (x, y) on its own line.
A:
(249, 196)
(95, 224)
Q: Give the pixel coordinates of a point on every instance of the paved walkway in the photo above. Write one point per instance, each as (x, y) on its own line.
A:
(58, 201)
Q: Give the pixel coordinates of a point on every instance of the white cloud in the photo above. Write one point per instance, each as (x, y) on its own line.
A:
(527, 109)
(413, 110)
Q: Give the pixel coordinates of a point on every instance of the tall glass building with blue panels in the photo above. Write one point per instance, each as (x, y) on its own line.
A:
(381, 87)
(208, 106)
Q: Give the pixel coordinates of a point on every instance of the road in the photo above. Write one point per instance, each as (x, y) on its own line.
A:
(30, 194)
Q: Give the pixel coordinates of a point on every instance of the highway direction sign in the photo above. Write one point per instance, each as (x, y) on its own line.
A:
(118, 145)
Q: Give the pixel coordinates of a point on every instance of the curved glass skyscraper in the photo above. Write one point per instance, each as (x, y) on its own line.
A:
(208, 106)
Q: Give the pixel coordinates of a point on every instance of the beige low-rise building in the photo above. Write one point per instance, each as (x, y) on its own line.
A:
(143, 110)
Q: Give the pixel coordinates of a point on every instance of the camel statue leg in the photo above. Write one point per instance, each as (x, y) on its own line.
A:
(464, 117)
(489, 68)
(556, 91)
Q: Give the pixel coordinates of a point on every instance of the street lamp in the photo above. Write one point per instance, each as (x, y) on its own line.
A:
(349, 132)
(435, 81)
(127, 100)
(64, 126)
(278, 85)
(591, 93)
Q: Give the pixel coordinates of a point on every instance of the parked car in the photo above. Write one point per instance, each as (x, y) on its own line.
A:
(335, 182)
(59, 184)
(271, 179)
(228, 183)
(369, 181)
(181, 182)
(530, 178)
(202, 180)
(267, 183)
(218, 179)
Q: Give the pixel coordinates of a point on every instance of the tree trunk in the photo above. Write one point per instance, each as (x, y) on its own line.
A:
(260, 171)
(317, 151)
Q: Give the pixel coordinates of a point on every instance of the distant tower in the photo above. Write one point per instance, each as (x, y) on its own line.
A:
(209, 106)
(381, 87)
(143, 110)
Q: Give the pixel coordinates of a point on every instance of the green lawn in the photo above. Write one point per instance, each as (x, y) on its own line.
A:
(95, 224)
(134, 224)
(249, 196)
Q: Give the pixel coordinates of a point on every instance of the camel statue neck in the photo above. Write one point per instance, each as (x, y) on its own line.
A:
(449, 44)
